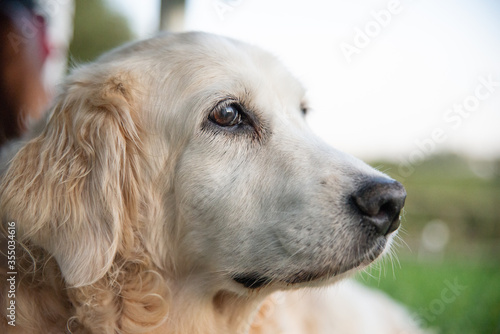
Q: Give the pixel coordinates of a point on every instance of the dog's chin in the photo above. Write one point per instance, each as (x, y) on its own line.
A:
(314, 277)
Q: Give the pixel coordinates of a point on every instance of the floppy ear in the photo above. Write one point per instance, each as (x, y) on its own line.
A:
(72, 190)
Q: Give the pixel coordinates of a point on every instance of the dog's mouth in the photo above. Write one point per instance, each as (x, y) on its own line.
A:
(256, 280)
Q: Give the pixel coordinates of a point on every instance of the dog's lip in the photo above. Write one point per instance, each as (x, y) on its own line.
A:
(252, 280)
(255, 280)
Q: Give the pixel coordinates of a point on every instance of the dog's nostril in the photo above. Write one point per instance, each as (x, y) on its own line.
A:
(380, 201)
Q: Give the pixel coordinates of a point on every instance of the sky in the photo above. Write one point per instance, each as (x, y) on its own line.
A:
(397, 80)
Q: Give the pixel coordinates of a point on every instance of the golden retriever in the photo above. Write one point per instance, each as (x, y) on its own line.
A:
(174, 188)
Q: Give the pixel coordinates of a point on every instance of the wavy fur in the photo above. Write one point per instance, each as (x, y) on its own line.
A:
(76, 192)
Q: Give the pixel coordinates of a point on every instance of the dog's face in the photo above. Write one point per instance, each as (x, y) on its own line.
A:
(260, 200)
(241, 195)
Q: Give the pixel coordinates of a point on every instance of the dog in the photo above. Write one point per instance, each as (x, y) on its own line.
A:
(175, 187)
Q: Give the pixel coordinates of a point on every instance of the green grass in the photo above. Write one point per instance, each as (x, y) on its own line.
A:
(425, 289)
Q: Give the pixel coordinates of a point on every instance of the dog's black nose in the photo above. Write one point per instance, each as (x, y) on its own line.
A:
(380, 201)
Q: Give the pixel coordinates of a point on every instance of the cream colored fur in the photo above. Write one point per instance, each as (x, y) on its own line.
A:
(135, 213)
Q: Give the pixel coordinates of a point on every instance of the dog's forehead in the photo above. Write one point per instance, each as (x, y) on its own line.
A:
(232, 65)
(244, 71)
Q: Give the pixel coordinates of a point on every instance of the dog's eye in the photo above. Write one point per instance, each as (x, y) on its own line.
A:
(229, 115)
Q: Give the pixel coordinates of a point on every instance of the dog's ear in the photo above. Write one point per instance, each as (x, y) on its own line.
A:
(72, 190)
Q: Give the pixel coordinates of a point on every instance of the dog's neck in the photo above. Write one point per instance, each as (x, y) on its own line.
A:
(222, 312)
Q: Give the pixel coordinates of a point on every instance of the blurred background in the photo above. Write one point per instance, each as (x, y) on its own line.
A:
(412, 87)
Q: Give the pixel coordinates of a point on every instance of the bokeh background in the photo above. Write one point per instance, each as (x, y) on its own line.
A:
(410, 86)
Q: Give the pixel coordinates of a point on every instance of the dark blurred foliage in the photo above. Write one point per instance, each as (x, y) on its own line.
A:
(97, 28)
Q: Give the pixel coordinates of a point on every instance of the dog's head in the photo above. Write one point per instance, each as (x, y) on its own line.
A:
(260, 200)
(194, 149)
